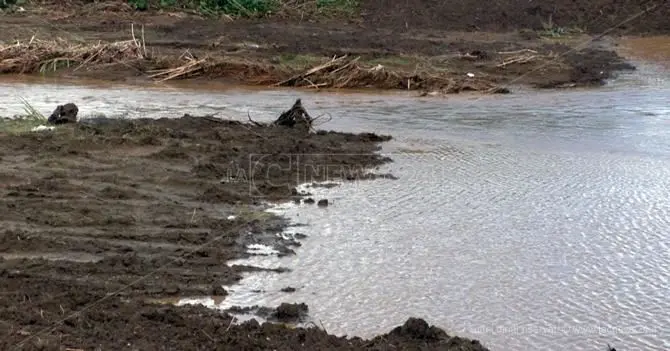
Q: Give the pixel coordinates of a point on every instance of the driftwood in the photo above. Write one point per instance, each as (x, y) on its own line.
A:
(296, 116)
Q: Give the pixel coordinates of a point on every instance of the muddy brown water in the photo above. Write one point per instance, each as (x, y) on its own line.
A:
(529, 221)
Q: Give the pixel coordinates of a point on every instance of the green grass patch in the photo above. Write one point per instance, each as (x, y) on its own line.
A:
(237, 8)
(337, 7)
(253, 8)
(551, 30)
(19, 124)
(30, 119)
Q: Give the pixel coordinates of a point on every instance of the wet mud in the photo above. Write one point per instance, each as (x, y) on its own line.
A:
(595, 17)
(103, 218)
(421, 45)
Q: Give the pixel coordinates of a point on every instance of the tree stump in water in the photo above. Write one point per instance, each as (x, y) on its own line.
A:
(296, 116)
(64, 114)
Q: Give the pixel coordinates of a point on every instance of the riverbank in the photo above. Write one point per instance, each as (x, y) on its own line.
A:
(102, 220)
(115, 42)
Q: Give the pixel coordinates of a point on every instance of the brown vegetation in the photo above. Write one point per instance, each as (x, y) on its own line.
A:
(435, 50)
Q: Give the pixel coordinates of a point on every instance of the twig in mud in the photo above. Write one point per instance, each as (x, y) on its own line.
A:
(144, 43)
(255, 133)
(468, 56)
(519, 59)
(312, 83)
(90, 58)
(231, 323)
(139, 45)
(257, 124)
(517, 52)
(330, 118)
(207, 335)
(331, 63)
(193, 216)
(324, 328)
(172, 73)
(211, 118)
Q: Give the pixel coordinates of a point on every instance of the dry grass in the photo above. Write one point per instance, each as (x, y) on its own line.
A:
(345, 72)
(43, 56)
(337, 73)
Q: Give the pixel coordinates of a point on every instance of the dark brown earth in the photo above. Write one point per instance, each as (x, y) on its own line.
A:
(593, 16)
(101, 222)
(423, 45)
(104, 223)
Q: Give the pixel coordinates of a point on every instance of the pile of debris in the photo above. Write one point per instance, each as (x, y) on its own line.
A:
(295, 117)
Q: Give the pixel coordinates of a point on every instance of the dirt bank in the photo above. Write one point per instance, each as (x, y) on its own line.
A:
(593, 16)
(439, 48)
(101, 218)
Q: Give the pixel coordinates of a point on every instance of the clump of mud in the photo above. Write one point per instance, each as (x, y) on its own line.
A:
(288, 312)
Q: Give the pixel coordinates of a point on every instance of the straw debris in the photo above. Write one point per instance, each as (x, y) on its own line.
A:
(191, 67)
(43, 56)
(339, 72)
(345, 72)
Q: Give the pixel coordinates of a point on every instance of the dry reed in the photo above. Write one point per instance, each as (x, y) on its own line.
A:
(42, 56)
(339, 72)
(344, 72)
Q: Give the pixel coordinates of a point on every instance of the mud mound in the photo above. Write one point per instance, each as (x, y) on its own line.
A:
(138, 325)
(505, 15)
(126, 217)
(290, 311)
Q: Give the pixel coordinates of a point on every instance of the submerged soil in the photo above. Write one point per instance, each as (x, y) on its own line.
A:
(424, 45)
(103, 218)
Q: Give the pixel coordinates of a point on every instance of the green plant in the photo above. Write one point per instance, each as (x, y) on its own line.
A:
(10, 4)
(24, 123)
(337, 4)
(139, 4)
(31, 112)
(250, 8)
(6, 3)
(246, 8)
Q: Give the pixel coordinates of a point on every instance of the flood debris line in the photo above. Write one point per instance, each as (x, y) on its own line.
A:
(43, 56)
(345, 72)
(192, 67)
(475, 67)
(522, 57)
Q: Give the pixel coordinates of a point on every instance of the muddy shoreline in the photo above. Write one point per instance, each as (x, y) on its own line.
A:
(102, 220)
(434, 58)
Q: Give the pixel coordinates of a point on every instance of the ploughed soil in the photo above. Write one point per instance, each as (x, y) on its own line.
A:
(106, 221)
(425, 45)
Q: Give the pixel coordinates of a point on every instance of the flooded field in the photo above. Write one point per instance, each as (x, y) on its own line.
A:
(529, 221)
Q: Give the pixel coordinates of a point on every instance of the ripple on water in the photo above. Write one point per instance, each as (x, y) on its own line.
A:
(575, 248)
(529, 223)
